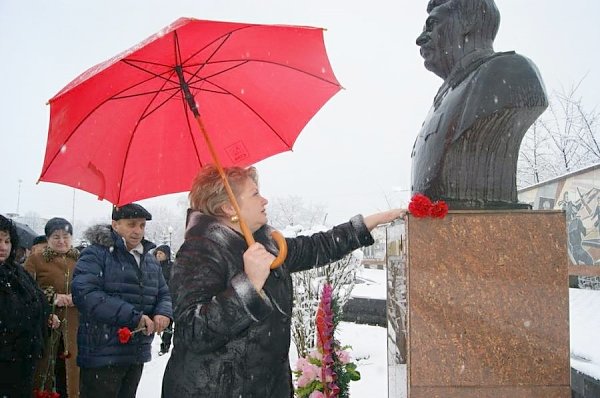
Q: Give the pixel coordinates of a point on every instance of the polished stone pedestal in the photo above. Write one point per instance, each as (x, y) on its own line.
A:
(487, 296)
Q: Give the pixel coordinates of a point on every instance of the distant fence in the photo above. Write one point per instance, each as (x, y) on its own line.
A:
(373, 263)
(584, 386)
(365, 310)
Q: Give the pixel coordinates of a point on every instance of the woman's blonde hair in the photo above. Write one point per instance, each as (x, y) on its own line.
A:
(208, 192)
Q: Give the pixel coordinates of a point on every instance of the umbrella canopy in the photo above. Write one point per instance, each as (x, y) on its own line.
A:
(26, 234)
(124, 129)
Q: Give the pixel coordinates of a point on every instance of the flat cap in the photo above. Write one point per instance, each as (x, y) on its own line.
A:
(132, 210)
(39, 239)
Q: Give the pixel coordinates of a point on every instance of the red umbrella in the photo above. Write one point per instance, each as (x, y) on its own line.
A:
(124, 129)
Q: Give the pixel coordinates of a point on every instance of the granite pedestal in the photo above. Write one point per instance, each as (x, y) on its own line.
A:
(487, 299)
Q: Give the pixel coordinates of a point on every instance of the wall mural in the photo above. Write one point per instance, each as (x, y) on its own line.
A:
(578, 194)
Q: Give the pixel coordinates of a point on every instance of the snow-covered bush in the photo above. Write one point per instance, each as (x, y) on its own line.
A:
(307, 285)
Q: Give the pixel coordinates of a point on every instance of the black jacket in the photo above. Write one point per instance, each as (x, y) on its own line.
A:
(232, 341)
(167, 264)
(24, 313)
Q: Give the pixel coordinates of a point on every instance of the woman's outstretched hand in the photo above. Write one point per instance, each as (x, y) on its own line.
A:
(257, 265)
(384, 217)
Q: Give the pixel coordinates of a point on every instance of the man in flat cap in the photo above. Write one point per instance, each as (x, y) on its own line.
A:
(118, 284)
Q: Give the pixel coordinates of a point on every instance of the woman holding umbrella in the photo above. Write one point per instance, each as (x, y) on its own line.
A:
(233, 312)
(53, 271)
(23, 316)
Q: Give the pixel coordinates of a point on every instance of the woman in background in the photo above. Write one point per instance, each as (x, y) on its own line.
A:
(53, 271)
(163, 255)
(24, 313)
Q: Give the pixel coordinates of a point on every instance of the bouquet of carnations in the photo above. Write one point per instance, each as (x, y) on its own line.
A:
(326, 371)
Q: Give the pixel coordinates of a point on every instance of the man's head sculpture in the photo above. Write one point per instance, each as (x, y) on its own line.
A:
(467, 150)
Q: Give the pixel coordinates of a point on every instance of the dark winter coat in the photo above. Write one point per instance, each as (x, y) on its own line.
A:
(24, 313)
(111, 291)
(167, 264)
(231, 341)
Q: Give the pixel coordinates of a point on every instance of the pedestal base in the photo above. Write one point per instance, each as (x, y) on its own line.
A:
(488, 310)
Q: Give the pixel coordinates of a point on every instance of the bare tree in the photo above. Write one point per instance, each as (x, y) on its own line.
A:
(292, 210)
(534, 157)
(563, 139)
(307, 287)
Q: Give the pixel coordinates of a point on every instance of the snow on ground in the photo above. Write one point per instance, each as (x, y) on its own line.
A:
(370, 283)
(369, 343)
(368, 347)
(584, 309)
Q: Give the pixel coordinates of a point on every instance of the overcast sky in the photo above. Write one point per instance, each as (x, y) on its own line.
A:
(354, 156)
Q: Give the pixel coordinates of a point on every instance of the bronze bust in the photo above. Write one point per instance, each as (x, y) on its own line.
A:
(466, 152)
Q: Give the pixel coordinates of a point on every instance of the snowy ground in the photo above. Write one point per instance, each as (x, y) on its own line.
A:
(369, 342)
(584, 307)
(368, 346)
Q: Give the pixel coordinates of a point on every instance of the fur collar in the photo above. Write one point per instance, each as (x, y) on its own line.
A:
(100, 234)
(103, 235)
(50, 254)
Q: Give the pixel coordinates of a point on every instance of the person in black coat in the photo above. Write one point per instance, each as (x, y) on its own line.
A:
(163, 256)
(24, 314)
(118, 284)
(233, 313)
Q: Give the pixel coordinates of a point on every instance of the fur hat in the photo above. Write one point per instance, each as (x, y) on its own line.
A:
(57, 223)
(131, 210)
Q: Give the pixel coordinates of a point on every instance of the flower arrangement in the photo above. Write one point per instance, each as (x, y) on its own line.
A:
(326, 372)
(421, 206)
(125, 334)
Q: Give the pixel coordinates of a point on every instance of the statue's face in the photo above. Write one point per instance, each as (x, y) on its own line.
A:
(441, 41)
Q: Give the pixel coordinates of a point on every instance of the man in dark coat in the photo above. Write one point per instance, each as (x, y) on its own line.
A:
(118, 284)
(163, 255)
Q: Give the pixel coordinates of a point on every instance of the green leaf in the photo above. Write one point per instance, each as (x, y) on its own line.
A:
(354, 375)
(304, 392)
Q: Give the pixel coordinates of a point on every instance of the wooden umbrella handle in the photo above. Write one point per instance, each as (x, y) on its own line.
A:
(277, 236)
(281, 243)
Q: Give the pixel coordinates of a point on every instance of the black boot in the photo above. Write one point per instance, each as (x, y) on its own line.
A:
(163, 349)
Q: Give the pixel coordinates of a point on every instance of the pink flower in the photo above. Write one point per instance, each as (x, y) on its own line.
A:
(316, 394)
(301, 363)
(343, 356)
(316, 354)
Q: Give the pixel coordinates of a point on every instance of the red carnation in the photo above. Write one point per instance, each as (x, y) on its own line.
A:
(124, 335)
(439, 209)
(420, 205)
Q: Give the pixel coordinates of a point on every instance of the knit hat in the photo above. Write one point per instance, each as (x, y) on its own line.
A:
(39, 239)
(131, 210)
(57, 223)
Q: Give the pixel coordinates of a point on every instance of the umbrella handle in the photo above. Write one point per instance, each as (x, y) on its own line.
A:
(282, 244)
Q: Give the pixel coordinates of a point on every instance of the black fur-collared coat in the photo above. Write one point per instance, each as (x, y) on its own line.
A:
(230, 340)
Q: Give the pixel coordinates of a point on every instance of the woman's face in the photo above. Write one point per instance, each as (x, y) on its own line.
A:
(252, 205)
(60, 241)
(5, 246)
(160, 256)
